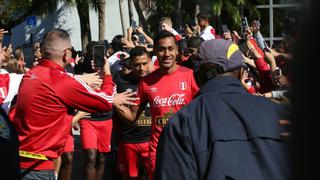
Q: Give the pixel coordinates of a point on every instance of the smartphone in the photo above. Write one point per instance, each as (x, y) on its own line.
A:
(6, 40)
(150, 46)
(224, 28)
(244, 22)
(265, 47)
(133, 24)
(98, 55)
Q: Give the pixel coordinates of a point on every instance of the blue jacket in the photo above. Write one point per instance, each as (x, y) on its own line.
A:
(225, 133)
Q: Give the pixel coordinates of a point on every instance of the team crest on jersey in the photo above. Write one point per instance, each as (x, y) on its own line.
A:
(183, 85)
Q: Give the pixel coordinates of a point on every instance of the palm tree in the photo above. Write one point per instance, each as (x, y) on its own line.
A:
(83, 12)
(140, 6)
(178, 14)
(99, 6)
(121, 8)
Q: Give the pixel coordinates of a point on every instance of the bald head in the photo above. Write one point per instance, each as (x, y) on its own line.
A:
(55, 42)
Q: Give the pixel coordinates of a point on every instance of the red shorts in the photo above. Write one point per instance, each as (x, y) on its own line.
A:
(69, 146)
(129, 156)
(96, 135)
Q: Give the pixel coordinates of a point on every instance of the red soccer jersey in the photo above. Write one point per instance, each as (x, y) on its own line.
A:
(46, 100)
(166, 94)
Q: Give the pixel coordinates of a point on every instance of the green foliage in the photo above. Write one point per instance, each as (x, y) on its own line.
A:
(217, 7)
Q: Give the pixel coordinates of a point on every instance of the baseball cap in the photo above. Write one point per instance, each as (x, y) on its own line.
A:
(221, 52)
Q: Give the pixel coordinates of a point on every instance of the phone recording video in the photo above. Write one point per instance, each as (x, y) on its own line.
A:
(224, 28)
(244, 22)
(133, 23)
(265, 49)
(98, 55)
(6, 40)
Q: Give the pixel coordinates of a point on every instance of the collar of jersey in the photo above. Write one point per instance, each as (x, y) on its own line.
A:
(51, 64)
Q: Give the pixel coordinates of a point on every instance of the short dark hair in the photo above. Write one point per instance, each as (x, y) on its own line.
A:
(52, 36)
(194, 42)
(116, 43)
(138, 51)
(18, 53)
(162, 35)
(204, 15)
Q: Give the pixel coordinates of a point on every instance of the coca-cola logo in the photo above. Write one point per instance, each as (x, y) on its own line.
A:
(173, 100)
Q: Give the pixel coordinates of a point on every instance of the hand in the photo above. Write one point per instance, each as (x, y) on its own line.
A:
(78, 58)
(8, 51)
(236, 34)
(92, 79)
(126, 43)
(285, 135)
(248, 33)
(82, 114)
(227, 35)
(79, 115)
(282, 81)
(2, 32)
(139, 29)
(106, 67)
(125, 98)
(188, 31)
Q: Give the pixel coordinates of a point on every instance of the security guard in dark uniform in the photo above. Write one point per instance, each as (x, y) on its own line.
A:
(225, 133)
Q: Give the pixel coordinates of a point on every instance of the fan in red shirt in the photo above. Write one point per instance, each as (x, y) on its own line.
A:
(167, 89)
(46, 99)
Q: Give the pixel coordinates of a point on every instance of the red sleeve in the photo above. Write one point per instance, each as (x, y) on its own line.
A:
(81, 96)
(178, 37)
(140, 94)
(213, 31)
(195, 87)
(254, 43)
(265, 77)
(4, 86)
(251, 90)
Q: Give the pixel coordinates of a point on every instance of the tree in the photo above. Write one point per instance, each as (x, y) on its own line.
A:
(16, 11)
(83, 12)
(99, 6)
(121, 8)
(141, 6)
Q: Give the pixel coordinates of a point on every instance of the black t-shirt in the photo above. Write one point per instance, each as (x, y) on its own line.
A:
(140, 130)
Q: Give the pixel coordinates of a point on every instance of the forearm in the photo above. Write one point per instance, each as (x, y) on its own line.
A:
(250, 62)
(76, 118)
(148, 38)
(124, 112)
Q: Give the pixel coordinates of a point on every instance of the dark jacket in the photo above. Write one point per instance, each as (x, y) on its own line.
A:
(225, 133)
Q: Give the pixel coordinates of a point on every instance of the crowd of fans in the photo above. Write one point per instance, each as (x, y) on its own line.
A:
(153, 79)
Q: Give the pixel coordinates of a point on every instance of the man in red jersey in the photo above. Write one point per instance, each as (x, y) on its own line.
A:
(46, 102)
(167, 89)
